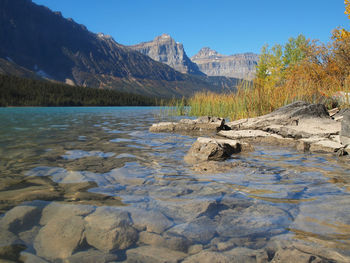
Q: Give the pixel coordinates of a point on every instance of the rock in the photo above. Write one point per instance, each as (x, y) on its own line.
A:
(10, 246)
(304, 144)
(195, 249)
(333, 212)
(209, 257)
(30, 258)
(216, 167)
(293, 255)
(246, 255)
(55, 210)
(236, 201)
(91, 256)
(7, 238)
(201, 230)
(168, 241)
(325, 146)
(21, 218)
(28, 236)
(109, 228)
(166, 50)
(243, 134)
(124, 177)
(150, 254)
(318, 127)
(345, 129)
(257, 136)
(288, 115)
(188, 209)
(151, 221)
(241, 66)
(60, 237)
(163, 127)
(186, 125)
(207, 149)
(11, 252)
(257, 219)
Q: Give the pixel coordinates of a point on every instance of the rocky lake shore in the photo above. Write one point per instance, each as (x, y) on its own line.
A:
(308, 127)
(111, 191)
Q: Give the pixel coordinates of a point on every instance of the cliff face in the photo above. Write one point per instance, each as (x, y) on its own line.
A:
(164, 49)
(235, 66)
(41, 41)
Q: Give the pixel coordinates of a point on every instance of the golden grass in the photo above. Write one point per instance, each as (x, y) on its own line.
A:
(255, 99)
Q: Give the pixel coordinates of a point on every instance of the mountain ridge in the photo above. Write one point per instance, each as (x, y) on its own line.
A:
(165, 49)
(213, 63)
(42, 41)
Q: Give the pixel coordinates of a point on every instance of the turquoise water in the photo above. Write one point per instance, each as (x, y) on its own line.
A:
(105, 159)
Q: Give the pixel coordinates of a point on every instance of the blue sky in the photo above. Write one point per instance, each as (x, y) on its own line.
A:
(228, 26)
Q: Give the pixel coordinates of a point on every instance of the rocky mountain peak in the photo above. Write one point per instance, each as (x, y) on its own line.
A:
(165, 49)
(212, 63)
(206, 52)
(164, 37)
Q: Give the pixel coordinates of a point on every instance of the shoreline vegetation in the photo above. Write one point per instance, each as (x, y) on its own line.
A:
(300, 70)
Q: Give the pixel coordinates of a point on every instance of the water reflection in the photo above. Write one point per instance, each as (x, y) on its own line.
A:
(87, 183)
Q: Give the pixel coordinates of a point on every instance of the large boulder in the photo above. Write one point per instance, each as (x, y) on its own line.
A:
(345, 129)
(151, 221)
(208, 149)
(60, 237)
(110, 228)
(173, 242)
(290, 115)
(187, 125)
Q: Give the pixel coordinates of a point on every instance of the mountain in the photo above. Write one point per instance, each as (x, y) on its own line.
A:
(164, 49)
(213, 63)
(35, 40)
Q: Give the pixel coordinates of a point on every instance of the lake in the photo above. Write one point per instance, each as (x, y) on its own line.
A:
(94, 185)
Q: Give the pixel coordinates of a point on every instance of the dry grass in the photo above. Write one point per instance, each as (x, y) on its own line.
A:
(255, 99)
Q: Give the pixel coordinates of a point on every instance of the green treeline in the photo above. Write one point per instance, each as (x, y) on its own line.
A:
(15, 91)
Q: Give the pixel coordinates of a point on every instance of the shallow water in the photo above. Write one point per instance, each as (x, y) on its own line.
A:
(123, 189)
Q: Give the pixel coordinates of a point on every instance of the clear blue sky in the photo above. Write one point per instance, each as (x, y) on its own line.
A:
(228, 26)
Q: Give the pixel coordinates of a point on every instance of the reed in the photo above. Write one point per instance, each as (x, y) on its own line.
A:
(255, 98)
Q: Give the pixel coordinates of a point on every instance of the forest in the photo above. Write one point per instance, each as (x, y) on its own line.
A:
(16, 91)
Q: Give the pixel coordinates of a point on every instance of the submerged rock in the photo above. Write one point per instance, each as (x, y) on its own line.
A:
(30, 258)
(108, 229)
(172, 242)
(209, 257)
(187, 125)
(91, 256)
(21, 218)
(200, 230)
(252, 221)
(151, 221)
(207, 149)
(150, 254)
(60, 237)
